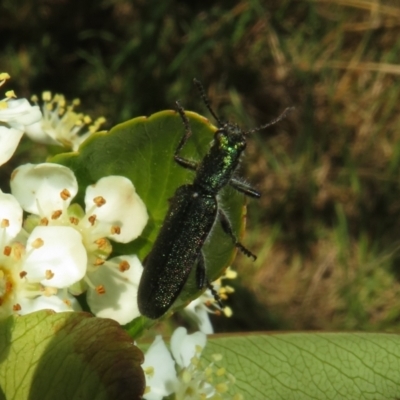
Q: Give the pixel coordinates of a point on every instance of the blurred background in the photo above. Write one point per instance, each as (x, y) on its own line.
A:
(327, 228)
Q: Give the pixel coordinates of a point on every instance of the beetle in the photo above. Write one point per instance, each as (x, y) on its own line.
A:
(192, 213)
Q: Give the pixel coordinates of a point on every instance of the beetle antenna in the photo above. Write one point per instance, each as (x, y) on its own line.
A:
(273, 122)
(205, 99)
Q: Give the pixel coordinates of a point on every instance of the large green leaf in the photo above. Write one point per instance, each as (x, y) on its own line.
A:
(312, 366)
(68, 356)
(142, 149)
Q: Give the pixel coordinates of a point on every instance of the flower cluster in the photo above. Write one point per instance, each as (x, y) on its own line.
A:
(63, 249)
(184, 373)
(60, 250)
(15, 116)
(61, 125)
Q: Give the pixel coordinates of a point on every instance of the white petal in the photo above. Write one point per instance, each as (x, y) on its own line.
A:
(197, 311)
(11, 214)
(20, 111)
(36, 133)
(56, 303)
(123, 208)
(9, 139)
(183, 346)
(38, 187)
(62, 253)
(161, 383)
(119, 300)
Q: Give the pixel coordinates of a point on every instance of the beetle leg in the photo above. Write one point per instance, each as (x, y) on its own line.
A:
(188, 132)
(244, 188)
(227, 227)
(186, 163)
(201, 278)
(217, 298)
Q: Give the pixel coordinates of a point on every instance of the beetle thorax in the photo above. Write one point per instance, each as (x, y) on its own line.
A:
(218, 166)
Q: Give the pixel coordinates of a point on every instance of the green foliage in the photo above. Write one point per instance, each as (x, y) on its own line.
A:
(68, 356)
(311, 366)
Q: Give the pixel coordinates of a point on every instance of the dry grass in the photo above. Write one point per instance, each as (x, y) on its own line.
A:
(328, 241)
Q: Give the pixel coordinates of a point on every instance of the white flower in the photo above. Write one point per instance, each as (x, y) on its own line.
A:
(184, 374)
(198, 311)
(200, 308)
(10, 217)
(43, 188)
(113, 211)
(184, 347)
(15, 116)
(123, 216)
(59, 302)
(58, 259)
(60, 124)
(160, 372)
(113, 288)
(22, 271)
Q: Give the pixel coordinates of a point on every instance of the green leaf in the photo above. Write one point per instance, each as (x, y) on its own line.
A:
(68, 356)
(142, 150)
(312, 366)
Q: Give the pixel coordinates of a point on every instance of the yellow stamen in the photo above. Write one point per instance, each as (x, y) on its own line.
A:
(217, 357)
(4, 76)
(92, 219)
(123, 266)
(115, 230)
(49, 274)
(221, 387)
(56, 214)
(9, 287)
(44, 222)
(48, 291)
(74, 220)
(37, 243)
(101, 243)
(99, 201)
(65, 194)
(100, 289)
(10, 94)
(198, 349)
(46, 96)
(228, 312)
(149, 371)
(18, 249)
